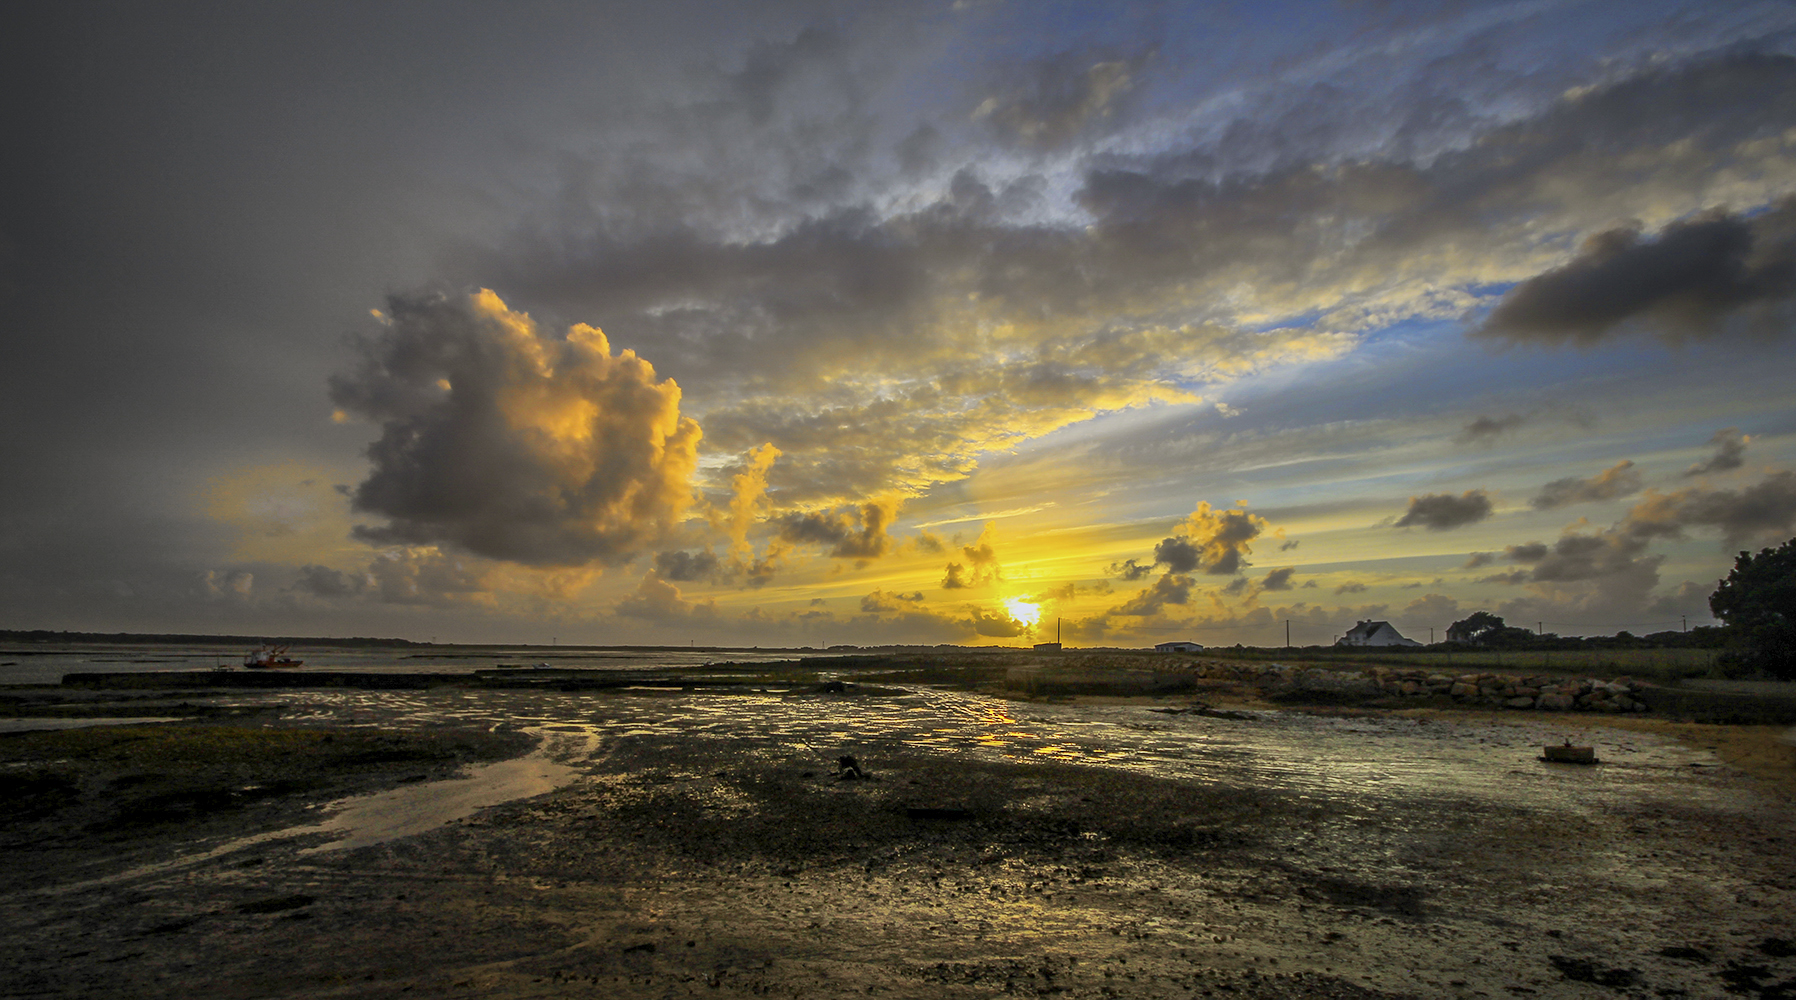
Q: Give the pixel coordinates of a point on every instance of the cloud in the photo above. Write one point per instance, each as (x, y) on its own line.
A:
(981, 567)
(1484, 430)
(1618, 480)
(994, 624)
(1171, 588)
(1430, 608)
(1611, 571)
(747, 489)
(887, 338)
(859, 534)
(657, 599)
(1478, 559)
(322, 581)
(511, 443)
(880, 602)
(1730, 451)
(1350, 587)
(928, 544)
(1444, 511)
(1687, 282)
(685, 566)
(1056, 98)
(1216, 541)
(236, 584)
(1131, 570)
(1278, 579)
(1181, 555)
(1764, 511)
(427, 575)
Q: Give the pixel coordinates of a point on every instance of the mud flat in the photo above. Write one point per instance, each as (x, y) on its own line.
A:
(704, 843)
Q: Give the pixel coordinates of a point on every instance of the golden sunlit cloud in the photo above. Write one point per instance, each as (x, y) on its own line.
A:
(502, 439)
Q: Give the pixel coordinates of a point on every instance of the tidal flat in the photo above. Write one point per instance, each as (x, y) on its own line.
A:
(665, 842)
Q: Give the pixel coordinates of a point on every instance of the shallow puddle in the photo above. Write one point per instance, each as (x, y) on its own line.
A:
(366, 820)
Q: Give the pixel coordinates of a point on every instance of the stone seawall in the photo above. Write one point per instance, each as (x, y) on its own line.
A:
(1514, 691)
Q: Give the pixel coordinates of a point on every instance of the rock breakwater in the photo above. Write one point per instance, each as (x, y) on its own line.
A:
(1491, 690)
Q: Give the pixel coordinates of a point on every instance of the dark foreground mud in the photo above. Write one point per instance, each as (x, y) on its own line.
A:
(684, 857)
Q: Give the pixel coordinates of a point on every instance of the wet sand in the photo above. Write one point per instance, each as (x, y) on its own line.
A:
(705, 844)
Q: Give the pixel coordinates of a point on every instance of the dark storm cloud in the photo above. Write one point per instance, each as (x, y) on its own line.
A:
(513, 444)
(1444, 511)
(1686, 282)
(1617, 481)
(1730, 453)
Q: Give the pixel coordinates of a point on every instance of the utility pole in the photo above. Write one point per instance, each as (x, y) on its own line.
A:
(1540, 628)
(1287, 633)
(1686, 622)
(1431, 635)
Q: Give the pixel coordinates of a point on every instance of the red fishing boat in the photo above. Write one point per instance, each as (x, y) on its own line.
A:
(270, 657)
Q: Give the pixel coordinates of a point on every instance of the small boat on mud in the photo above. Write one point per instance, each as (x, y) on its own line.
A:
(270, 658)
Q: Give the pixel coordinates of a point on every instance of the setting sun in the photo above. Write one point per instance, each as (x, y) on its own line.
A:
(1023, 612)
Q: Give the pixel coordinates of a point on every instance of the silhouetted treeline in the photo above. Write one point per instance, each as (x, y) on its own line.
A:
(177, 639)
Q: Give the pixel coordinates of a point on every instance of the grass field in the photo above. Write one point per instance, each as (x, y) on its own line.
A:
(1647, 664)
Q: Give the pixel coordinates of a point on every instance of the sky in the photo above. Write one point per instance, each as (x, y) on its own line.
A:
(804, 323)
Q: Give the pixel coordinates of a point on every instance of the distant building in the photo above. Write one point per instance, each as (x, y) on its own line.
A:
(1374, 634)
(1178, 647)
(1047, 647)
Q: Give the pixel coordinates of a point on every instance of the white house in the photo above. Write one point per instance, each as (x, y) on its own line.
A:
(1374, 634)
(1178, 647)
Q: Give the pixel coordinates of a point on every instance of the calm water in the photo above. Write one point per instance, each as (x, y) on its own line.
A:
(24, 664)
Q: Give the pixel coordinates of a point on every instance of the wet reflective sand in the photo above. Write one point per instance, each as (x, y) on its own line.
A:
(1299, 752)
(663, 843)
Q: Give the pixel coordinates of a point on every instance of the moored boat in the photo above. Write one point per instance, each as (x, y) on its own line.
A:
(270, 657)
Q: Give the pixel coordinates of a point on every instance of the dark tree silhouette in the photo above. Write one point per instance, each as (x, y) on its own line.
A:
(1757, 601)
(1485, 629)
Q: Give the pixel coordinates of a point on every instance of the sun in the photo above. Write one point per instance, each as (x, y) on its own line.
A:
(1023, 612)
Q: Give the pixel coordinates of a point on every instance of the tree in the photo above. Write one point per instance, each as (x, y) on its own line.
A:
(1757, 602)
(1485, 629)
(1470, 629)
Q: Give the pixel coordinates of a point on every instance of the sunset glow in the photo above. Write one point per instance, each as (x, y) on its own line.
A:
(806, 325)
(1023, 612)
